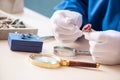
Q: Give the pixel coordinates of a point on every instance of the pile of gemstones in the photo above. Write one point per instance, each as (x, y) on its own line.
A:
(6, 22)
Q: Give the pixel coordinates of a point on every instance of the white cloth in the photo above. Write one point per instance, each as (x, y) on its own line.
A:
(12, 6)
(66, 25)
(104, 46)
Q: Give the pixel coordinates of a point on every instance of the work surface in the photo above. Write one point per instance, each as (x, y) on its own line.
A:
(16, 66)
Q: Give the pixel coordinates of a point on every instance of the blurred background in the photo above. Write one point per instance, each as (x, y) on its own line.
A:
(44, 7)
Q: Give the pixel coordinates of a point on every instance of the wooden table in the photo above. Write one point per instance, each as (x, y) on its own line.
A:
(16, 66)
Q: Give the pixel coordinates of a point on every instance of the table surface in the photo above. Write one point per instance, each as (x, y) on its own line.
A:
(16, 66)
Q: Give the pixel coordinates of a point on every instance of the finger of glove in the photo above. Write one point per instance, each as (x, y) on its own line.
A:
(101, 52)
(59, 18)
(64, 26)
(97, 36)
(75, 19)
(65, 17)
(68, 37)
(99, 57)
(66, 31)
(101, 60)
(65, 41)
(71, 37)
(101, 47)
(104, 59)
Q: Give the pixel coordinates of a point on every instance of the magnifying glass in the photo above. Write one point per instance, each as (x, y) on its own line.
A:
(52, 61)
(69, 52)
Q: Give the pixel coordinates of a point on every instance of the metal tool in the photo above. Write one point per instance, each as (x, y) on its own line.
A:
(69, 52)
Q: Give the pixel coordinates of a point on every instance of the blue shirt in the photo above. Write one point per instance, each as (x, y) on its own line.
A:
(102, 14)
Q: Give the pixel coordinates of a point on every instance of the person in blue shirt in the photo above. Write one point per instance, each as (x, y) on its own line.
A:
(104, 15)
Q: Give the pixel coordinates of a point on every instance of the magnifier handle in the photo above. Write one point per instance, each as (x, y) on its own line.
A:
(83, 64)
(78, 63)
(83, 52)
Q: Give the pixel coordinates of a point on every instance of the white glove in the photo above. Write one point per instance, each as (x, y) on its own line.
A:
(66, 25)
(104, 46)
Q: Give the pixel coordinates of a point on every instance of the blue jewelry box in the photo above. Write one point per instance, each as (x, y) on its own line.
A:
(25, 42)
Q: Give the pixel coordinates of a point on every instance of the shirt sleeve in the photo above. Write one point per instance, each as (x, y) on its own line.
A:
(80, 6)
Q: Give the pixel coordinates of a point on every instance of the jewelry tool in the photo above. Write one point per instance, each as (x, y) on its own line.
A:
(52, 61)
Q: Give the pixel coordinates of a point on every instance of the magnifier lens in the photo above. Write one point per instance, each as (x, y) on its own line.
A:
(47, 60)
(64, 52)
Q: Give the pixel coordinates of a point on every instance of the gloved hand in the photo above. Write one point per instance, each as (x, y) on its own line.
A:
(66, 25)
(104, 46)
